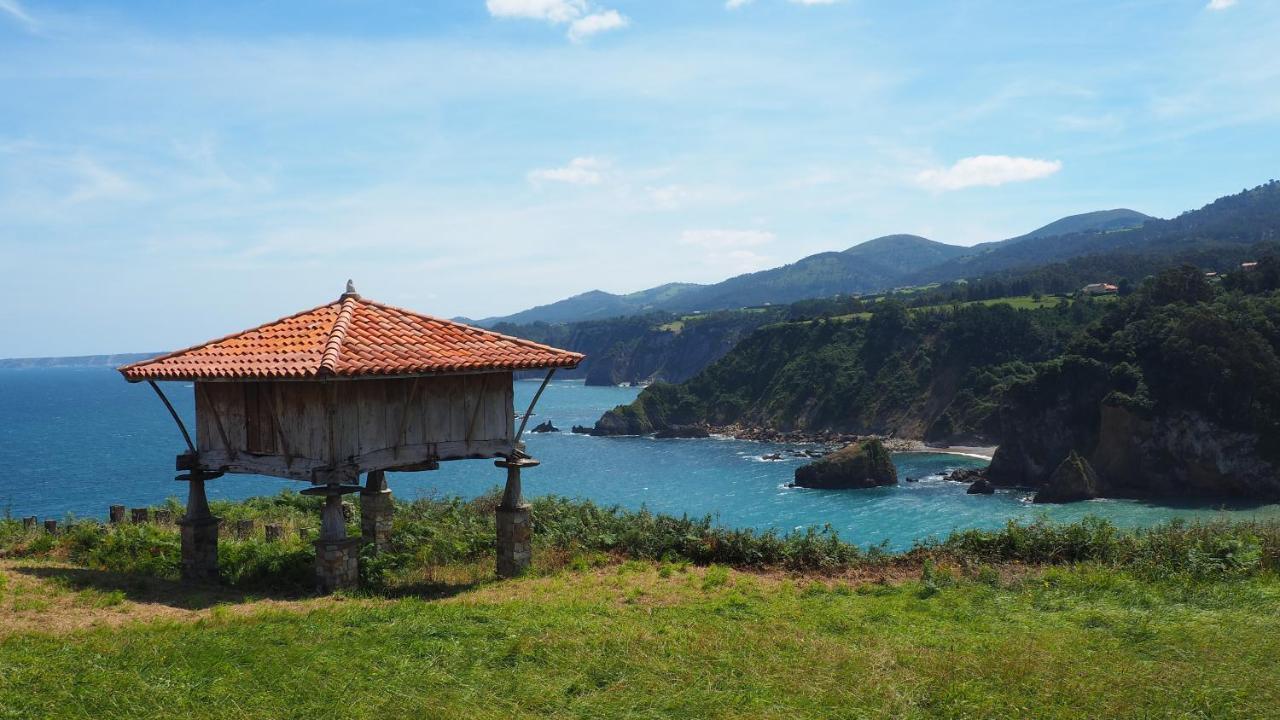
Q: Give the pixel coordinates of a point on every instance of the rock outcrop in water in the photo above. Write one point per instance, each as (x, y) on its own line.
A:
(861, 465)
(1072, 481)
(545, 427)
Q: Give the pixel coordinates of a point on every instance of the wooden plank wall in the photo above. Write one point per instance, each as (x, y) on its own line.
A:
(329, 422)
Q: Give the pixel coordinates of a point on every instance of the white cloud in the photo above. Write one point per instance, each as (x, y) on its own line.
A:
(735, 4)
(731, 252)
(1220, 4)
(585, 27)
(14, 9)
(814, 2)
(579, 171)
(986, 170)
(552, 11)
(584, 19)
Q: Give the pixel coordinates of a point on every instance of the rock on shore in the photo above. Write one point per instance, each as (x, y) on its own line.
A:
(864, 464)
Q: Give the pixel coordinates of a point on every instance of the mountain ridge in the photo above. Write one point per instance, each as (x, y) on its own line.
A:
(874, 265)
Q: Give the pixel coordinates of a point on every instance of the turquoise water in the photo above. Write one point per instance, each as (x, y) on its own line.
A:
(75, 440)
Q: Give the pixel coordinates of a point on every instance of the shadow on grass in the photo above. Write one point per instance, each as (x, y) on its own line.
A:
(200, 596)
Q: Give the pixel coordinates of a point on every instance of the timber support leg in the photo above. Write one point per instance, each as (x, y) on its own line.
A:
(376, 512)
(199, 534)
(337, 556)
(515, 531)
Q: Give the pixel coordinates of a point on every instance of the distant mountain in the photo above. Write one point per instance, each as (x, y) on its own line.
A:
(873, 266)
(1247, 218)
(595, 305)
(869, 267)
(76, 361)
(1098, 221)
(866, 267)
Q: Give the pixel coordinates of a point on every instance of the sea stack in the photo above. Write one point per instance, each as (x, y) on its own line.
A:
(864, 464)
(1074, 480)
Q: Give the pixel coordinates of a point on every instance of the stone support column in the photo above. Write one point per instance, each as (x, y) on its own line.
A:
(337, 556)
(515, 532)
(199, 529)
(376, 512)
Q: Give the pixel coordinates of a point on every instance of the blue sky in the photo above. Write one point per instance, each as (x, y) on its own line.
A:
(173, 171)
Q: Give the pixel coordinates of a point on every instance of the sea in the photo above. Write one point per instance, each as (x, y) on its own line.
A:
(75, 440)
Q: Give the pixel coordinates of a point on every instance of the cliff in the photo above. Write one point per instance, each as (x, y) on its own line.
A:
(1175, 394)
(933, 374)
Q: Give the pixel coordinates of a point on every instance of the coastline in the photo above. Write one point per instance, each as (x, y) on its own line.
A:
(836, 440)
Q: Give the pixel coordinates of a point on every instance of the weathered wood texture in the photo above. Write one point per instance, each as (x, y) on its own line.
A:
(292, 429)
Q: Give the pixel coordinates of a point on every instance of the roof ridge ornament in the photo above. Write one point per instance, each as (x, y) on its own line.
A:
(351, 291)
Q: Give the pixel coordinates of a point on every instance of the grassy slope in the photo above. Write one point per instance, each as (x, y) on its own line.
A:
(644, 640)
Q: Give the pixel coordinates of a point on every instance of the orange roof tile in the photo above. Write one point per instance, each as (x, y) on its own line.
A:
(352, 337)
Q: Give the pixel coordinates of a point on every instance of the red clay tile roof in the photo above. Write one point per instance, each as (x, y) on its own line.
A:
(352, 337)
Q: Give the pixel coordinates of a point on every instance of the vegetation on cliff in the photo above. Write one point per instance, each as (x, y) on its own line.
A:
(1171, 390)
(1175, 391)
(929, 372)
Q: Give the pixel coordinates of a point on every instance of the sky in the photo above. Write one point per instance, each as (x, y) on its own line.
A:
(174, 171)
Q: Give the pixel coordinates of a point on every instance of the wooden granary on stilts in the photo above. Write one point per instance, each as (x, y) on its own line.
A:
(348, 388)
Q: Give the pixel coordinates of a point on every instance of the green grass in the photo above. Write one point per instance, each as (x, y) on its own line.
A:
(630, 614)
(637, 641)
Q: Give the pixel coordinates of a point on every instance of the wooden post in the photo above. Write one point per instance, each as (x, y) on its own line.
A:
(116, 513)
(140, 516)
(51, 527)
(29, 523)
(164, 517)
(376, 512)
(199, 532)
(515, 532)
(244, 529)
(274, 532)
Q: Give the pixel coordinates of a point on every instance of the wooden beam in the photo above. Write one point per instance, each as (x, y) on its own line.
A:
(185, 435)
(532, 403)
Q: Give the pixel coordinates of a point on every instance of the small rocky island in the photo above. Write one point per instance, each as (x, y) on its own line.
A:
(864, 464)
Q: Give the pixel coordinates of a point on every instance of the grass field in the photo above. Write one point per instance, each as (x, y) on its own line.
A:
(645, 639)
(629, 614)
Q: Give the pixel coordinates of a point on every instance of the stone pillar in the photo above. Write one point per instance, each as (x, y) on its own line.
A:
(117, 514)
(376, 512)
(51, 527)
(199, 533)
(244, 529)
(515, 532)
(29, 523)
(140, 516)
(163, 517)
(337, 556)
(274, 532)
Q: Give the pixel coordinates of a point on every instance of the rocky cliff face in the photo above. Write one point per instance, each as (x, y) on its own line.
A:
(1178, 455)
